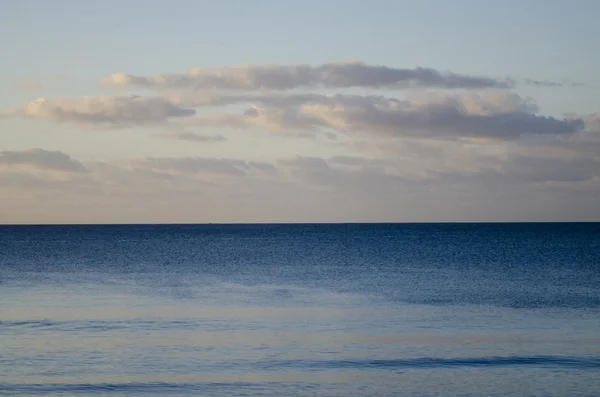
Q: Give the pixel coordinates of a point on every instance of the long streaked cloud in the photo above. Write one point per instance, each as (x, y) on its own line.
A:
(286, 77)
(40, 159)
(197, 99)
(492, 115)
(195, 165)
(191, 137)
(488, 102)
(104, 110)
(496, 115)
(553, 83)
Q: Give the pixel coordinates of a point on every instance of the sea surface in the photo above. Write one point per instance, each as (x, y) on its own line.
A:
(300, 310)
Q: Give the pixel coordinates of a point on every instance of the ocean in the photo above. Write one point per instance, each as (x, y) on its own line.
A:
(300, 310)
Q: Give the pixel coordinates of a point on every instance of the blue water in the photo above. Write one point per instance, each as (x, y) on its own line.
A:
(300, 310)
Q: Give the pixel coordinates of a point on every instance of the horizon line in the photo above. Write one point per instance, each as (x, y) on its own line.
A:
(296, 223)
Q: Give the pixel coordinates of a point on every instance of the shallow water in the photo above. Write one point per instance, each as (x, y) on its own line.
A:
(297, 310)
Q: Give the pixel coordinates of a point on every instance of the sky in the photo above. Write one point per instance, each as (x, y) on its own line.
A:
(264, 111)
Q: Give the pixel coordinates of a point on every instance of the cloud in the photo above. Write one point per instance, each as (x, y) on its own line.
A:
(548, 169)
(352, 174)
(278, 121)
(114, 111)
(214, 98)
(196, 165)
(355, 161)
(305, 162)
(480, 149)
(488, 103)
(29, 84)
(360, 182)
(41, 159)
(506, 181)
(592, 122)
(492, 115)
(553, 84)
(191, 137)
(273, 119)
(285, 77)
(358, 74)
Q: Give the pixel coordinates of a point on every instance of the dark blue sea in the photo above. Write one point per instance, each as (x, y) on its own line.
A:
(300, 310)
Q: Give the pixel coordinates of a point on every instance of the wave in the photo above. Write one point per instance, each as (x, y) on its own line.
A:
(126, 388)
(433, 362)
(111, 325)
(592, 362)
(308, 367)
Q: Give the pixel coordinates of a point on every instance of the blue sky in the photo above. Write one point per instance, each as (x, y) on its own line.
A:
(65, 48)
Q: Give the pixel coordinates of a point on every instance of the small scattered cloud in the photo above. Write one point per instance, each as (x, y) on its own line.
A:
(41, 159)
(543, 83)
(29, 84)
(191, 137)
(556, 83)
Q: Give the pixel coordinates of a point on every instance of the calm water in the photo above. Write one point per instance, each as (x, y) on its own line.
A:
(302, 310)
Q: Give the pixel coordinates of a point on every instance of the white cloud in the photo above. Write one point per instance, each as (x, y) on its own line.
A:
(284, 77)
(40, 159)
(493, 115)
(114, 111)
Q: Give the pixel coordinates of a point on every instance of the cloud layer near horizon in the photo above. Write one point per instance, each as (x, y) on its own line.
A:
(447, 178)
(452, 141)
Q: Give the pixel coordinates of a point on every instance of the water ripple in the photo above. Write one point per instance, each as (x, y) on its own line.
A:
(124, 388)
(433, 362)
